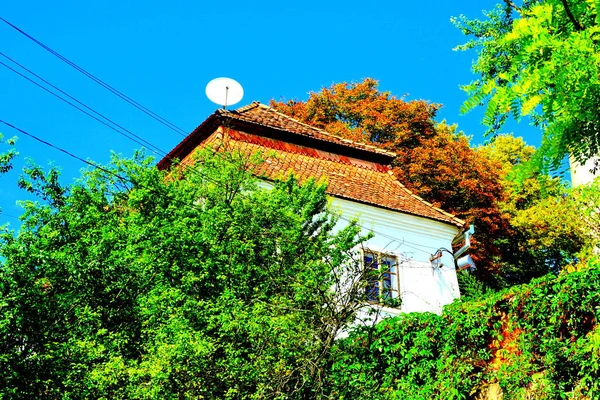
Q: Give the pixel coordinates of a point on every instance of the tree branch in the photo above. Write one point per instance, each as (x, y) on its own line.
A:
(512, 5)
(576, 23)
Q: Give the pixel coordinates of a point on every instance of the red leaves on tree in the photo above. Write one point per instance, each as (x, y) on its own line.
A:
(362, 113)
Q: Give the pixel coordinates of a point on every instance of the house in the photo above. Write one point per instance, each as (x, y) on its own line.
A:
(408, 231)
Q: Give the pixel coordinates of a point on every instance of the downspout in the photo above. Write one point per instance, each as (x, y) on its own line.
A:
(466, 261)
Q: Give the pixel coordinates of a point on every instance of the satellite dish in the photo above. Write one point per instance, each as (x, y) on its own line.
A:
(224, 91)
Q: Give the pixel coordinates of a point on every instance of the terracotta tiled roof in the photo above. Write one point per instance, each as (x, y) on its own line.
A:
(260, 114)
(360, 174)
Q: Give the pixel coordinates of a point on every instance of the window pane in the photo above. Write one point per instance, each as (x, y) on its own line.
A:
(381, 286)
(386, 281)
(389, 262)
(370, 261)
(373, 290)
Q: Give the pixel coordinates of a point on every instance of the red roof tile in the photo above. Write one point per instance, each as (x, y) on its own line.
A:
(260, 114)
(352, 175)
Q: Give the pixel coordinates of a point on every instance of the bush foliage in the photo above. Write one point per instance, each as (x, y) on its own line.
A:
(128, 285)
(536, 341)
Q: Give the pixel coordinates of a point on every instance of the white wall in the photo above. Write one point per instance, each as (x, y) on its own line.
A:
(581, 174)
(423, 286)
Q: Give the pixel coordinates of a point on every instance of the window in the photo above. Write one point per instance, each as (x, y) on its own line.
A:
(383, 284)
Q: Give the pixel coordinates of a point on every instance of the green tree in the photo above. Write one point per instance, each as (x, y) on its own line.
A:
(135, 284)
(546, 232)
(7, 156)
(539, 58)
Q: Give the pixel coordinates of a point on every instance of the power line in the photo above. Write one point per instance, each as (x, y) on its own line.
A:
(100, 82)
(413, 246)
(93, 164)
(135, 138)
(74, 99)
(64, 151)
(117, 127)
(2, 213)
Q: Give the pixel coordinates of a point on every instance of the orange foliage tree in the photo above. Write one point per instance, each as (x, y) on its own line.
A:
(433, 159)
(360, 112)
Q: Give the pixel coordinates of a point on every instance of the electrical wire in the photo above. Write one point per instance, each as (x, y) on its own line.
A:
(135, 138)
(413, 246)
(3, 214)
(100, 82)
(77, 101)
(90, 163)
(101, 118)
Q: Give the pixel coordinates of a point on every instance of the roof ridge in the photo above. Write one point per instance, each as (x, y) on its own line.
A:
(296, 120)
(240, 110)
(428, 204)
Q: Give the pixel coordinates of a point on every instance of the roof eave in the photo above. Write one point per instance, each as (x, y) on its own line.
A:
(191, 141)
(449, 218)
(452, 221)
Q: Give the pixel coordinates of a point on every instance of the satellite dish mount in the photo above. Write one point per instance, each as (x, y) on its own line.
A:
(224, 91)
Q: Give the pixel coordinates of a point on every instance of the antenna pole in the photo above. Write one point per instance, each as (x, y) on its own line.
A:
(226, 92)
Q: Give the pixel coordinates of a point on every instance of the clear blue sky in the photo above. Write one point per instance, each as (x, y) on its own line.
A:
(162, 54)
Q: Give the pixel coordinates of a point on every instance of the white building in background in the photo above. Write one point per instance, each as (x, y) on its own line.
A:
(582, 174)
(407, 229)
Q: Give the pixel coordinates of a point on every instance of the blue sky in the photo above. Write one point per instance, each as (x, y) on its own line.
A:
(162, 54)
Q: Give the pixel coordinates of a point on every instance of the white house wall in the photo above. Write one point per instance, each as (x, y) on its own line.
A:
(423, 286)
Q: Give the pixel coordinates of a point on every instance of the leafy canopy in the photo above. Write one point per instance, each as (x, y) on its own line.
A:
(539, 59)
(361, 112)
(134, 284)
